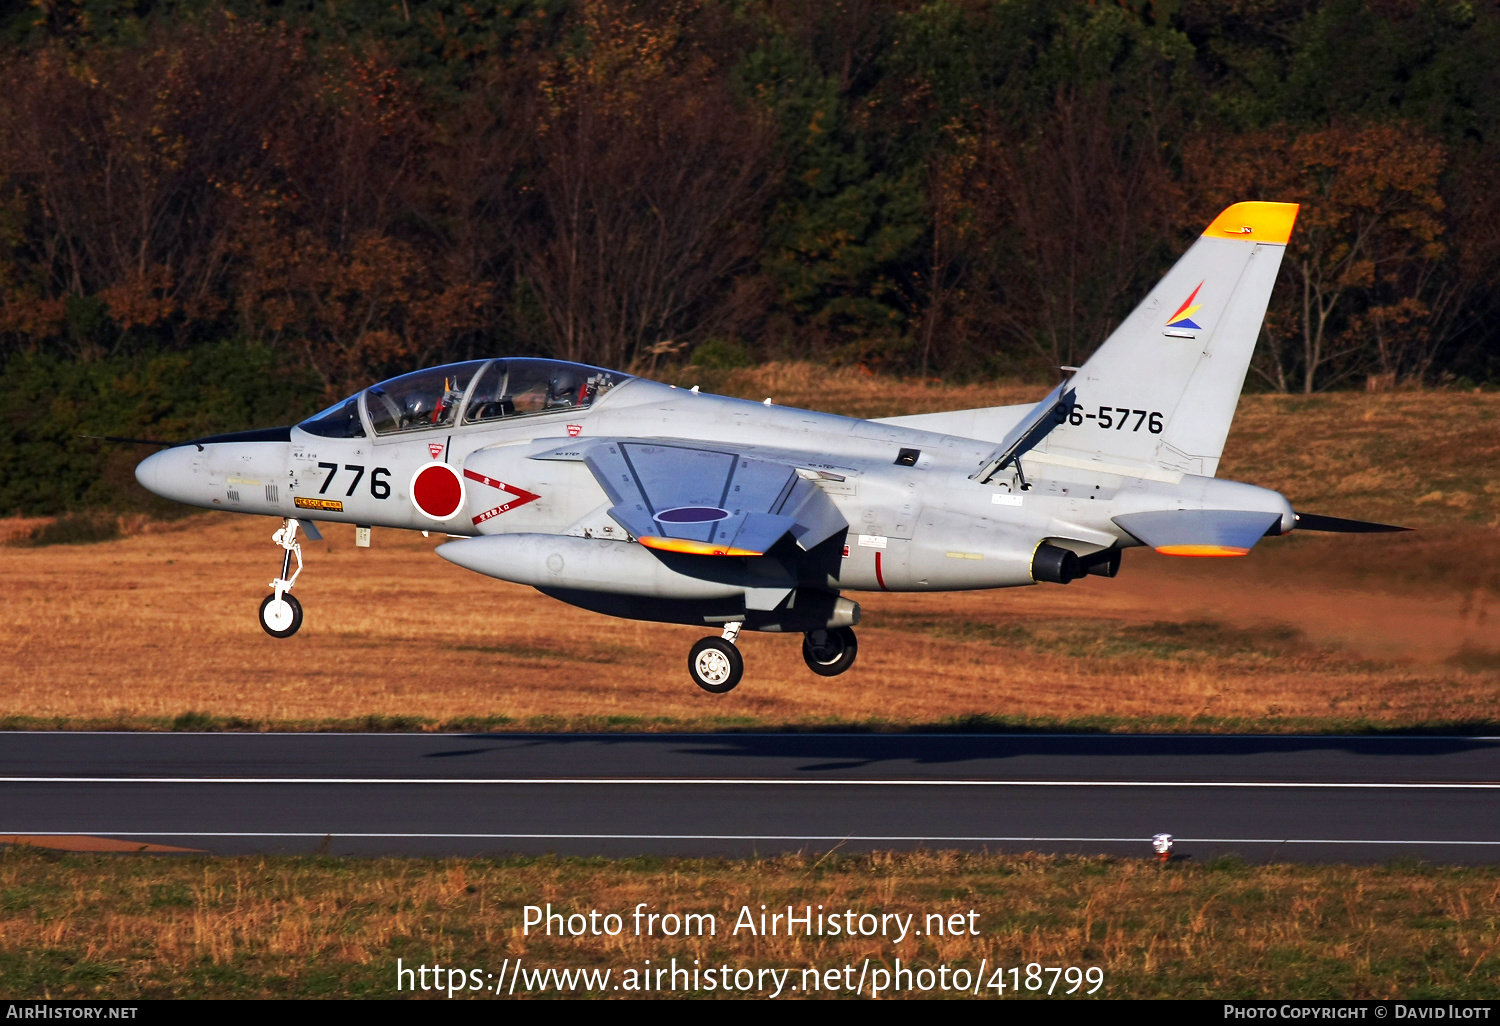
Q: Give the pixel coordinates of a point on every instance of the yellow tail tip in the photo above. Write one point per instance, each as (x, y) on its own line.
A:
(1256, 221)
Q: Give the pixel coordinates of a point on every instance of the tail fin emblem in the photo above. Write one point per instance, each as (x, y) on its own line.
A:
(1183, 318)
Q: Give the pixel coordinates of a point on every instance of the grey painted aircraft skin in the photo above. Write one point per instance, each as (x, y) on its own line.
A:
(640, 499)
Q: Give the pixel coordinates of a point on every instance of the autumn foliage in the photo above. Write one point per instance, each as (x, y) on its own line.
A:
(965, 188)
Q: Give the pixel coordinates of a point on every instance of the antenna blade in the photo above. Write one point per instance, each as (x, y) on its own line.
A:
(1338, 525)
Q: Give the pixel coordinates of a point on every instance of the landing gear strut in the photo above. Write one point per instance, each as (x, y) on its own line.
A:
(715, 664)
(280, 613)
(829, 653)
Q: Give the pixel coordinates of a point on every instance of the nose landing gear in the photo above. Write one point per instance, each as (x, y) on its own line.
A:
(715, 664)
(280, 612)
(829, 653)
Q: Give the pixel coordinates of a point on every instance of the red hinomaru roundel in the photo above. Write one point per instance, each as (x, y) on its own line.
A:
(437, 491)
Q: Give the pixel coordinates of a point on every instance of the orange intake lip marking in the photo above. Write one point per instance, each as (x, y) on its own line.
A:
(695, 548)
(1201, 550)
(80, 842)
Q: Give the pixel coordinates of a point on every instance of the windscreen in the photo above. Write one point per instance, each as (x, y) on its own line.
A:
(341, 420)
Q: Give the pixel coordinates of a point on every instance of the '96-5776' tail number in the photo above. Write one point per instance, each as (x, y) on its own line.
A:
(1110, 418)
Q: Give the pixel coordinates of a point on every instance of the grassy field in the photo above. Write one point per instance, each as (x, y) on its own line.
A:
(91, 926)
(158, 629)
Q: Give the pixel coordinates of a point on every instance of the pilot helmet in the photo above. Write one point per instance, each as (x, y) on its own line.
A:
(564, 384)
(419, 404)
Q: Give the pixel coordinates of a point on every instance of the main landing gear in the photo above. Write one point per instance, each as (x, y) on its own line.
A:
(717, 666)
(831, 652)
(280, 612)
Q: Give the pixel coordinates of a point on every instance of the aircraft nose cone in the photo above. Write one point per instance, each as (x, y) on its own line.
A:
(168, 473)
(147, 470)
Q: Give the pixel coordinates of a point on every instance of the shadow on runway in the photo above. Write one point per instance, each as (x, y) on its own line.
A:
(815, 753)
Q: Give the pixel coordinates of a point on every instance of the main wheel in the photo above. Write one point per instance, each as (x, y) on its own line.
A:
(280, 618)
(716, 665)
(830, 653)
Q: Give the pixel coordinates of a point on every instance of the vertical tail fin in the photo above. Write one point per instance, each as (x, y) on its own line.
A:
(1161, 391)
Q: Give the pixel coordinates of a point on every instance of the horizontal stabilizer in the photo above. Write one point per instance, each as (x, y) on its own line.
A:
(1199, 532)
(1338, 525)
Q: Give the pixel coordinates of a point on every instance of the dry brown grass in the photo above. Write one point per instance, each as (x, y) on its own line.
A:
(1306, 633)
(150, 627)
(121, 927)
(18, 529)
(1422, 459)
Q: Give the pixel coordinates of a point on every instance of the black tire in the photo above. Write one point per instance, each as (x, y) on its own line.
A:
(829, 653)
(715, 665)
(292, 627)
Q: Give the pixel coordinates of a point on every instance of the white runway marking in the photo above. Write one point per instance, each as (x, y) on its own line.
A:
(764, 782)
(721, 837)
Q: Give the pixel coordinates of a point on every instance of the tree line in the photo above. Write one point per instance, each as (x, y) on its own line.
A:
(962, 188)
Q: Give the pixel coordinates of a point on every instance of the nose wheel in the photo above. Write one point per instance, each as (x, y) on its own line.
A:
(280, 613)
(280, 617)
(715, 664)
(829, 653)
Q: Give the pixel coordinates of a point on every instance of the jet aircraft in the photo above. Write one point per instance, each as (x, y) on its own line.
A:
(639, 499)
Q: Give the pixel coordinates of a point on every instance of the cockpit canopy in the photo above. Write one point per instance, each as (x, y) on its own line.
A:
(478, 391)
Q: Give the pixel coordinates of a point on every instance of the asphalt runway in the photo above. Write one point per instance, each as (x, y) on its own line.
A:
(1346, 799)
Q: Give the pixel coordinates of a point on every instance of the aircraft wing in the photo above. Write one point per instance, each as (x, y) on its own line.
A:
(706, 501)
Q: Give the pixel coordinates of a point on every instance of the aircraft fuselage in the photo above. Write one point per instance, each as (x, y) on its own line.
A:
(639, 499)
(918, 519)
